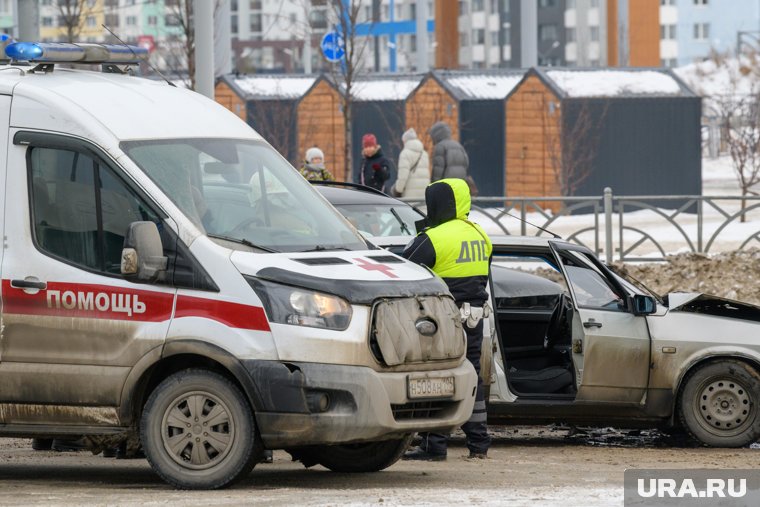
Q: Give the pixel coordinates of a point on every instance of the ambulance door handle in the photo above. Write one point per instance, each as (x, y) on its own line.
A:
(28, 284)
(591, 323)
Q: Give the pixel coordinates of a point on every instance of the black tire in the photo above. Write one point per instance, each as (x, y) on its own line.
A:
(42, 444)
(718, 404)
(213, 410)
(361, 458)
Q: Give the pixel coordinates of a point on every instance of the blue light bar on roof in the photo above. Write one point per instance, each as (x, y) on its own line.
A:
(66, 52)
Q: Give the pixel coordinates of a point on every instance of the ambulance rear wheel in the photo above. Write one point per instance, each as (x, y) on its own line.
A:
(198, 432)
(361, 458)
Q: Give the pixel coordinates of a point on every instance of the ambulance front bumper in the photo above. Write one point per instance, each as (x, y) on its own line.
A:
(309, 404)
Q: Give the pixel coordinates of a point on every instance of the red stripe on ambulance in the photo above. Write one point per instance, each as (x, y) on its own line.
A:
(105, 302)
(229, 314)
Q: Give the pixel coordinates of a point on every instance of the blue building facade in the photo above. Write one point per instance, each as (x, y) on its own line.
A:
(707, 25)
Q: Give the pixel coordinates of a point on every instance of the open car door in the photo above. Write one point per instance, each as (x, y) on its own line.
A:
(611, 345)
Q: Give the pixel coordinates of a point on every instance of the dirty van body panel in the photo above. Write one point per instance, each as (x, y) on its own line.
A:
(5, 113)
(71, 338)
(66, 415)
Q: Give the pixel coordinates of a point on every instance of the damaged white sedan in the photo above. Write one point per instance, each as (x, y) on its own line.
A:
(574, 342)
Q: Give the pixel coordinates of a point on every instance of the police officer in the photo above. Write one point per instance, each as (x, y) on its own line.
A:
(458, 251)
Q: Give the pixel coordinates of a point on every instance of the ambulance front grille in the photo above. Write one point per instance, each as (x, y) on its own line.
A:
(421, 409)
(395, 338)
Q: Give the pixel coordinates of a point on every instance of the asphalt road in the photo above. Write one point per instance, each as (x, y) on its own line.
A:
(526, 465)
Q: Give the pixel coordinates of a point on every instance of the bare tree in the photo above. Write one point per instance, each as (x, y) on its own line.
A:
(740, 125)
(275, 119)
(572, 140)
(737, 111)
(72, 15)
(179, 52)
(181, 14)
(346, 14)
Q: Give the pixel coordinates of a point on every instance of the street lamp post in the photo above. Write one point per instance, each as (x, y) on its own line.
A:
(544, 54)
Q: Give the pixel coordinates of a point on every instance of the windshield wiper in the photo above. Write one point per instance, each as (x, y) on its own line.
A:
(242, 241)
(323, 248)
(404, 228)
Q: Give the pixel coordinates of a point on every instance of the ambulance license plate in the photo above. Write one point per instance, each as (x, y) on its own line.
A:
(440, 387)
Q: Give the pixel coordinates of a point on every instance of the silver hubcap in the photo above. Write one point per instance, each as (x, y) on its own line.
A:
(197, 430)
(724, 404)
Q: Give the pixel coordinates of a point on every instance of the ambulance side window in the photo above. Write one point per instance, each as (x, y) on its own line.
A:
(80, 209)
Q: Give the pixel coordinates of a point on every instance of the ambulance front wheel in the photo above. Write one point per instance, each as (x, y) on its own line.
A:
(198, 432)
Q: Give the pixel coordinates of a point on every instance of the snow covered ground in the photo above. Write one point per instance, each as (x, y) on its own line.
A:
(718, 230)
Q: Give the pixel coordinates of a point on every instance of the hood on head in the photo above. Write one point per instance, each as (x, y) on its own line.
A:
(414, 145)
(446, 200)
(440, 132)
(409, 135)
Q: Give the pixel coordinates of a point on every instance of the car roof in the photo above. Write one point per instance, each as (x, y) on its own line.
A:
(346, 196)
(119, 104)
(497, 240)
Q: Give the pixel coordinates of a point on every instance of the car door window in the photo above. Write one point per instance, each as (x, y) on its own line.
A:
(81, 209)
(590, 286)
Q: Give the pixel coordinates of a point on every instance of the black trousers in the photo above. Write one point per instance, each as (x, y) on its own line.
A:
(475, 428)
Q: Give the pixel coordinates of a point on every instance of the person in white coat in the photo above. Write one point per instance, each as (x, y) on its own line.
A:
(413, 168)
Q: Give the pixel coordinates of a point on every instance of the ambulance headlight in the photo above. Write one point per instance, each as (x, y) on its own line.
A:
(302, 307)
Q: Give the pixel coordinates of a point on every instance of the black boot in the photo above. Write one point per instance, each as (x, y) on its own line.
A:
(420, 454)
(68, 445)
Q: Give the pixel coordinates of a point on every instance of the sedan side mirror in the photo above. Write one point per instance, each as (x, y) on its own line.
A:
(143, 254)
(643, 305)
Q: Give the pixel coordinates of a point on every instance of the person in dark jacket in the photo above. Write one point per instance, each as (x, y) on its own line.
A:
(458, 251)
(377, 170)
(449, 157)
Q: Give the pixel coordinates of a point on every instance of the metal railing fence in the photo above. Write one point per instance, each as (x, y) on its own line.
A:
(614, 228)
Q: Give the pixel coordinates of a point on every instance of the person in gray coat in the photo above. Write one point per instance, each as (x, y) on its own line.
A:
(449, 158)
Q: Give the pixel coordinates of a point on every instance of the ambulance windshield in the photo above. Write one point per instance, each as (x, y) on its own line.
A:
(243, 191)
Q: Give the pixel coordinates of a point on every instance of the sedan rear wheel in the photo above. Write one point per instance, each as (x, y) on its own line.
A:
(719, 404)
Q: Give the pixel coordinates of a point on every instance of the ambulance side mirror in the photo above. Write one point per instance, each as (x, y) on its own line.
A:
(143, 255)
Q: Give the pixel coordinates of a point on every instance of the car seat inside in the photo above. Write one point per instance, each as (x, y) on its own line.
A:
(534, 320)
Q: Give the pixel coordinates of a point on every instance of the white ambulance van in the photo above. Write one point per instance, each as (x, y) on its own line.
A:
(170, 281)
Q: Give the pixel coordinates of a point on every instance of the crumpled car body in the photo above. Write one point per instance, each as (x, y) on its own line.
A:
(573, 342)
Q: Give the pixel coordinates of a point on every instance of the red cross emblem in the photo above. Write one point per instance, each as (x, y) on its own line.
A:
(371, 266)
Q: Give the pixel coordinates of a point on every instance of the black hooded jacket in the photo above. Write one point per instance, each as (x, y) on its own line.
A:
(378, 172)
(456, 249)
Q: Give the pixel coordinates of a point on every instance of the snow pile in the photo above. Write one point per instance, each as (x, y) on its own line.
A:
(721, 77)
(384, 89)
(485, 86)
(612, 83)
(733, 275)
(280, 87)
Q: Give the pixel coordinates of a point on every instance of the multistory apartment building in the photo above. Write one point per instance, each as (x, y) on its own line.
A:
(690, 30)
(7, 18)
(586, 33)
(77, 21)
(270, 35)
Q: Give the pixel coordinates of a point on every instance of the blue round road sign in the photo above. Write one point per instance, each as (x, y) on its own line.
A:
(333, 46)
